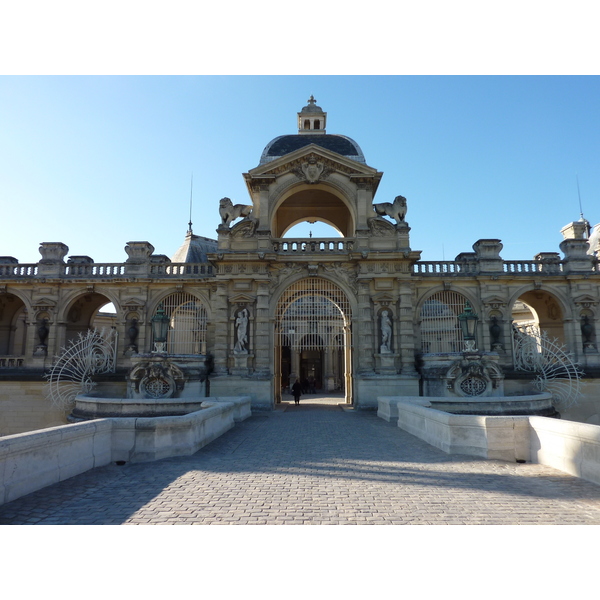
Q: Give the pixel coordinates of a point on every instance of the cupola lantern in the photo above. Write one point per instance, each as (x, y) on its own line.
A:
(311, 119)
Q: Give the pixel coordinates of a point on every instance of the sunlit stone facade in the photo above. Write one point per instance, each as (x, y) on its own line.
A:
(359, 314)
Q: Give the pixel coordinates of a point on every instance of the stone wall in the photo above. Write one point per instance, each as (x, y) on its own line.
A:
(23, 407)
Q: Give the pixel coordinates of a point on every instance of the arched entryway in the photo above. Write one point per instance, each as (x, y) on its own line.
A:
(13, 321)
(540, 311)
(313, 338)
(89, 311)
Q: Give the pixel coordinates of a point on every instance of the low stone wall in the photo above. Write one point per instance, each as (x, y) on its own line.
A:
(564, 445)
(31, 461)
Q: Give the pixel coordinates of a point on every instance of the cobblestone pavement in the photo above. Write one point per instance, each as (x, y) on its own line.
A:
(314, 464)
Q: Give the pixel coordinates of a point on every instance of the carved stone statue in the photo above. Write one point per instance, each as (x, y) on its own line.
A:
(230, 212)
(241, 325)
(395, 210)
(386, 333)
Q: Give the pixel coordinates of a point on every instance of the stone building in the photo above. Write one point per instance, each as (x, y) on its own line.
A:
(359, 314)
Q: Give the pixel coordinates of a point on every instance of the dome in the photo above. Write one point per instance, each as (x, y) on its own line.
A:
(284, 144)
(311, 130)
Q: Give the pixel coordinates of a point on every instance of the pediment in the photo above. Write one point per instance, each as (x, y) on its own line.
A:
(585, 299)
(133, 303)
(45, 302)
(385, 298)
(494, 300)
(310, 154)
(241, 298)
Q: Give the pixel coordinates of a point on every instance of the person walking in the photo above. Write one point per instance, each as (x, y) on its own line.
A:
(297, 391)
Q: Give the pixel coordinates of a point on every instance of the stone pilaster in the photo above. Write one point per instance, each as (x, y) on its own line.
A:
(263, 341)
(220, 320)
(364, 341)
(405, 342)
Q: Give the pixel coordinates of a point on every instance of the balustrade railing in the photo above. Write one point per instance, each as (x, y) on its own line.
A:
(109, 270)
(532, 266)
(16, 270)
(445, 267)
(181, 270)
(512, 267)
(94, 270)
(9, 362)
(313, 245)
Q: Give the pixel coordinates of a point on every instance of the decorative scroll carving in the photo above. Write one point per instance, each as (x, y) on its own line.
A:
(379, 227)
(283, 273)
(245, 228)
(347, 273)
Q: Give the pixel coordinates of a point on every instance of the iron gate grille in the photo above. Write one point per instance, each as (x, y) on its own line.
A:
(187, 328)
(440, 329)
(313, 314)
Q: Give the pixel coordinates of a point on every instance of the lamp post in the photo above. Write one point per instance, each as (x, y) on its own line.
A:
(468, 324)
(160, 328)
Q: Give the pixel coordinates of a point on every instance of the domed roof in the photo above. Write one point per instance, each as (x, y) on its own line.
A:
(284, 144)
(312, 131)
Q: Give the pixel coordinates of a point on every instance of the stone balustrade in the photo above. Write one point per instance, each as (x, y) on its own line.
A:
(313, 245)
(109, 270)
(11, 362)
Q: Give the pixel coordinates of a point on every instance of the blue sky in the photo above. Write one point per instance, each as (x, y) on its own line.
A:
(97, 161)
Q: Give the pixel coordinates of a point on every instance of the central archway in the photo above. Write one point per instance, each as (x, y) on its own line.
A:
(313, 338)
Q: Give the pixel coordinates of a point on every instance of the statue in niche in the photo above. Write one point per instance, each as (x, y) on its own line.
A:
(495, 333)
(587, 331)
(386, 333)
(43, 332)
(132, 334)
(241, 325)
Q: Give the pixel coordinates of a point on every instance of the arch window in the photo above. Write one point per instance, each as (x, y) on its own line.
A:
(317, 124)
(187, 324)
(440, 328)
(306, 124)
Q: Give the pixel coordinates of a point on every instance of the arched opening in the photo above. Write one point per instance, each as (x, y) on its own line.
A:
(316, 229)
(317, 124)
(13, 319)
(187, 324)
(313, 204)
(440, 328)
(89, 311)
(539, 311)
(313, 338)
(306, 124)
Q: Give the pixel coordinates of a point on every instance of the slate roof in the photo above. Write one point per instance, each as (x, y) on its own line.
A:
(194, 249)
(284, 144)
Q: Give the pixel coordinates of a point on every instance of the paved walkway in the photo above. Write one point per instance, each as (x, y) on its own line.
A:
(314, 464)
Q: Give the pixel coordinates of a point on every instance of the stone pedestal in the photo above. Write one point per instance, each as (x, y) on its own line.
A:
(385, 363)
(241, 364)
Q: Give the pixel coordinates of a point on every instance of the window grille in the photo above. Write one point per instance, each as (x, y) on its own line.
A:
(440, 329)
(313, 314)
(187, 328)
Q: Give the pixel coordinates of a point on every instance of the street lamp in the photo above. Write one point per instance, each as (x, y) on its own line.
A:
(468, 324)
(160, 328)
